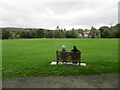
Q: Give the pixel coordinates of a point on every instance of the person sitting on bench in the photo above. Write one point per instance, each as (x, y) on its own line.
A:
(63, 48)
(63, 53)
(75, 50)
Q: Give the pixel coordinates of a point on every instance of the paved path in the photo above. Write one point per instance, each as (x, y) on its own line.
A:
(89, 81)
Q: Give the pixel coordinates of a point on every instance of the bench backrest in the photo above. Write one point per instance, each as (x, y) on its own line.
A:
(75, 55)
(65, 55)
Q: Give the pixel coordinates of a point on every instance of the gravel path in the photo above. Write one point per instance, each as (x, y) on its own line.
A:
(89, 81)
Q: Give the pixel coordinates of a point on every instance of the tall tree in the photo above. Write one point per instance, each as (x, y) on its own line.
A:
(57, 28)
(92, 33)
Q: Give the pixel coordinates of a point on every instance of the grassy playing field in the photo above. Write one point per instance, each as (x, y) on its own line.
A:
(32, 57)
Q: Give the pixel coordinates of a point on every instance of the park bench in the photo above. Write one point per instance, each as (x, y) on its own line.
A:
(68, 56)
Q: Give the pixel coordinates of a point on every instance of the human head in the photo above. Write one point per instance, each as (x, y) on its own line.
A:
(74, 47)
(63, 48)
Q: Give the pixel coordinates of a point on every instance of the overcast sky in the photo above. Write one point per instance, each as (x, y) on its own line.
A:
(63, 13)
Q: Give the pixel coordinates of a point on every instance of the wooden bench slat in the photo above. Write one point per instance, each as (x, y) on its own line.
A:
(68, 56)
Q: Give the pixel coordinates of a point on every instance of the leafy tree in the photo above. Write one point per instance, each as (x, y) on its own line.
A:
(28, 34)
(17, 34)
(25, 34)
(102, 30)
(57, 28)
(92, 33)
(68, 34)
(50, 34)
(46, 33)
(64, 33)
(86, 30)
(97, 33)
(40, 33)
(80, 31)
(33, 33)
(58, 34)
(106, 33)
(73, 34)
(114, 32)
(5, 34)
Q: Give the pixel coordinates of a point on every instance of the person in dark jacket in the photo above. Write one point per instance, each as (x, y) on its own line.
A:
(75, 50)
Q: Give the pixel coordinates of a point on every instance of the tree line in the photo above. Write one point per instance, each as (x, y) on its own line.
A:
(102, 32)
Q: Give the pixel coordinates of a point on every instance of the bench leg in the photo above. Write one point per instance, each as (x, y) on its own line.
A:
(79, 62)
(57, 61)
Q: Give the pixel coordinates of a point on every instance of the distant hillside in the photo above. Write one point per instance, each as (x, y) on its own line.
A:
(14, 29)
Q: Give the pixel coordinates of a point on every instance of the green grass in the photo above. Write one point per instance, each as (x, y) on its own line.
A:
(32, 57)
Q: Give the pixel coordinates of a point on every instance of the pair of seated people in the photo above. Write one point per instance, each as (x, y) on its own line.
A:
(73, 50)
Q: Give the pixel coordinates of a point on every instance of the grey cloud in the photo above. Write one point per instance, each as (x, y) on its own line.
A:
(33, 13)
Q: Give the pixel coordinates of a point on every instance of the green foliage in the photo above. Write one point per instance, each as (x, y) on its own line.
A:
(97, 32)
(40, 33)
(25, 34)
(81, 31)
(68, 34)
(102, 28)
(16, 34)
(103, 32)
(92, 33)
(58, 34)
(45, 33)
(33, 33)
(71, 34)
(114, 32)
(111, 32)
(50, 34)
(5, 34)
(106, 33)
